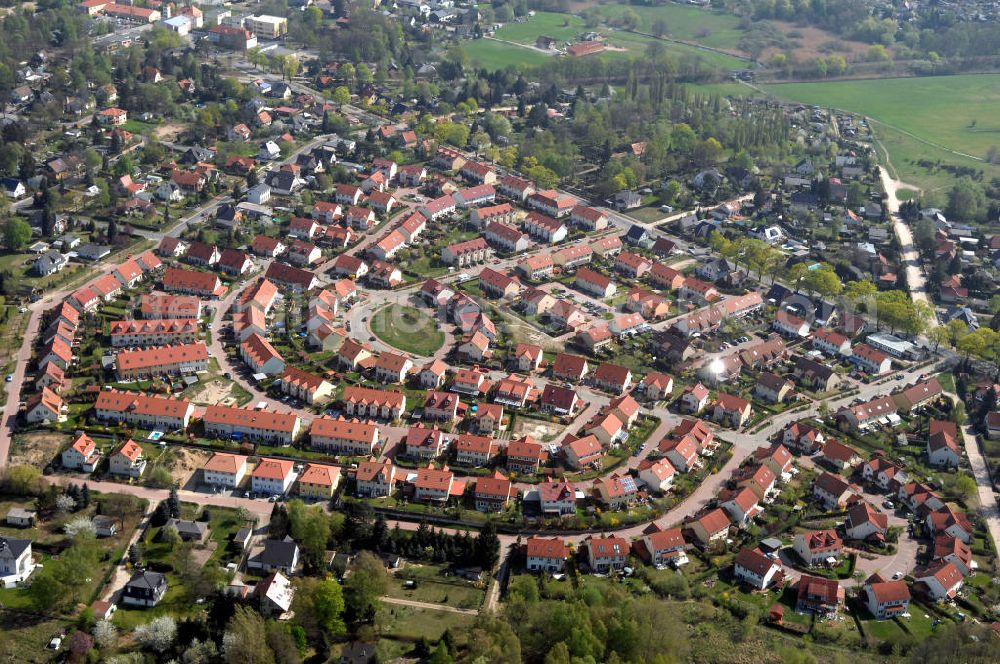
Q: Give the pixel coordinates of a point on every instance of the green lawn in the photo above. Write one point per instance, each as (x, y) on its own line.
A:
(948, 112)
(405, 622)
(434, 588)
(492, 54)
(407, 329)
(563, 27)
(718, 30)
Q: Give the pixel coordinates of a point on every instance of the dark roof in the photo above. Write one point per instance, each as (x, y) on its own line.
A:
(279, 553)
(13, 548)
(150, 580)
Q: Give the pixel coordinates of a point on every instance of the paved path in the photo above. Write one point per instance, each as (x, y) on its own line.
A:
(428, 605)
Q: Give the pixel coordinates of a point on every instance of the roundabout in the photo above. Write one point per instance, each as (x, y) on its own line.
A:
(407, 329)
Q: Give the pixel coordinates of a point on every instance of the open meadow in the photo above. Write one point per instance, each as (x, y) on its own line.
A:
(951, 119)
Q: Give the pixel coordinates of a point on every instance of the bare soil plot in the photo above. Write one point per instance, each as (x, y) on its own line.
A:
(37, 449)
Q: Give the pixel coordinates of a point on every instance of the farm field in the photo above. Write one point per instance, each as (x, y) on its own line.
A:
(407, 329)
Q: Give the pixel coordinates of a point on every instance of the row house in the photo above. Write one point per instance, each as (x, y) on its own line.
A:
(412, 227)
(179, 280)
(870, 359)
(224, 470)
(263, 358)
(573, 256)
(305, 386)
(375, 479)
(632, 265)
(475, 450)
(536, 268)
(297, 279)
(463, 254)
(545, 229)
(479, 172)
(438, 207)
(367, 402)
(144, 411)
(551, 203)
(506, 238)
(831, 343)
(167, 360)
(863, 415)
(594, 283)
(503, 213)
(515, 188)
(588, 218)
(525, 456)
(340, 436)
(498, 285)
(492, 493)
(229, 422)
(474, 196)
(441, 406)
(131, 333)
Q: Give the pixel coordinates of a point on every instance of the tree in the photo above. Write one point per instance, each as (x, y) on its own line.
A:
(79, 645)
(341, 95)
(366, 584)
(65, 503)
(966, 200)
(860, 290)
(487, 547)
(105, 634)
(157, 635)
(659, 27)
(319, 607)
(940, 335)
(16, 234)
(855, 194)
(80, 524)
(245, 639)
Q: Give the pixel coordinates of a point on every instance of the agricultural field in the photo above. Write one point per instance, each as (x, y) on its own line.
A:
(947, 118)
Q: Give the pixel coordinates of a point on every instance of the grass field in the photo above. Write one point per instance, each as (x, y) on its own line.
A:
(563, 27)
(947, 118)
(407, 329)
(719, 32)
(497, 55)
(691, 24)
